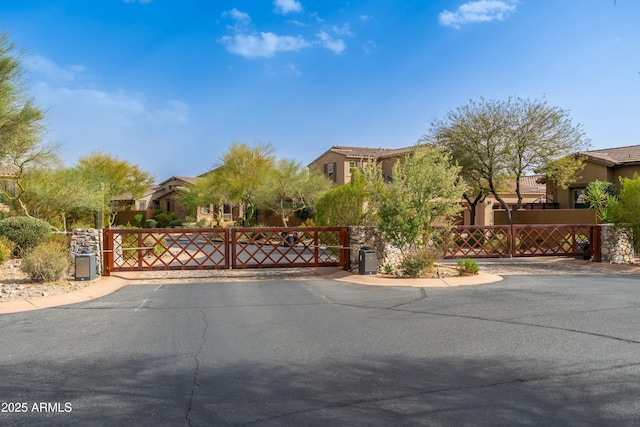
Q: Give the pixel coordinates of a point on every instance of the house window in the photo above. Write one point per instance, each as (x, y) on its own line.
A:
(330, 171)
(579, 199)
(168, 205)
(142, 205)
(353, 166)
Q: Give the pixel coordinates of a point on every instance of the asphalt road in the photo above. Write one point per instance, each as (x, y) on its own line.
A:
(531, 350)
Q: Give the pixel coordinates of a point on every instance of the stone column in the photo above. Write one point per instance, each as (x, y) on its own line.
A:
(615, 245)
(88, 240)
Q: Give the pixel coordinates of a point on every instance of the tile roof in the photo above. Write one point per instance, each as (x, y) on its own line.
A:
(368, 152)
(532, 184)
(616, 156)
(6, 170)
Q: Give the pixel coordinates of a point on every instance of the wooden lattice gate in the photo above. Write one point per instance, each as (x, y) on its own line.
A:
(223, 248)
(524, 241)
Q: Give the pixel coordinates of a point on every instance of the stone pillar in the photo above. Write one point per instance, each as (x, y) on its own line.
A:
(88, 240)
(615, 245)
(371, 237)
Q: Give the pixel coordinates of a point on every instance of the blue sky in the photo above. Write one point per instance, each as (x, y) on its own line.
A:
(169, 85)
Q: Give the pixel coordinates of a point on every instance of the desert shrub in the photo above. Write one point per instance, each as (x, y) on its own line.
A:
(59, 238)
(6, 248)
(203, 223)
(417, 263)
(47, 262)
(388, 268)
(25, 232)
(175, 223)
(467, 267)
(151, 223)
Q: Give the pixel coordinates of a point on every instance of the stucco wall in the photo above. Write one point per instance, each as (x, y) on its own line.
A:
(548, 216)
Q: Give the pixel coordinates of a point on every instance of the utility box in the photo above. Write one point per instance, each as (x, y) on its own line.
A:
(367, 261)
(85, 266)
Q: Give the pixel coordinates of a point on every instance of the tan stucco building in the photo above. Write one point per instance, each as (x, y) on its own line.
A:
(609, 164)
(338, 162)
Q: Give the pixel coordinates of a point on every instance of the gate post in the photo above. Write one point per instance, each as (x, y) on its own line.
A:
(596, 237)
(512, 240)
(107, 253)
(345, 251)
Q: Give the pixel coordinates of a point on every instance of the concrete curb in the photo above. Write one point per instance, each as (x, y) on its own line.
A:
(99, 288)
(448, 282)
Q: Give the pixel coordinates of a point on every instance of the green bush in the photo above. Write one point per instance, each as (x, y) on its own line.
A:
(137, 219)
(467, 267)
(151, 223)
(25, 232)
(165, 218)
(6, 248)
(46, 263)
(175, 223)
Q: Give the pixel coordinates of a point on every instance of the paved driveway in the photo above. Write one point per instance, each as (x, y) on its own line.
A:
(530, 350)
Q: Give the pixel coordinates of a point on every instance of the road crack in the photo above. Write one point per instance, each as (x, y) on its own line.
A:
(423, 294)
(196, 385)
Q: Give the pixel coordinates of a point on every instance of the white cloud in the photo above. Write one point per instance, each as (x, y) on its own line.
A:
(345, 30)
(240, 17)
(287, 6)
(82, 117)
(249, 43)
(478, 11)
(47, 69)
(335, 45)
(264, 45)
(369, 47)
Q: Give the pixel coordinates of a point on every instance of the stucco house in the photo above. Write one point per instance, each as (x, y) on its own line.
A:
(160, 196)
(533, 193)
(338, 162)
(609, 164)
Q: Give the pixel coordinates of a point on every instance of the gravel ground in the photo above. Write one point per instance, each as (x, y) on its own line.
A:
(15, 285)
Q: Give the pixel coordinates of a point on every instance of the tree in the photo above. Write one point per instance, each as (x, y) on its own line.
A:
(344, 205)
(624, 211)
(55, 194)
(205, 192)
(242, 172)
(498, 140)
(290, 188)
(421, 200)
(21, 126)
(111, 177)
